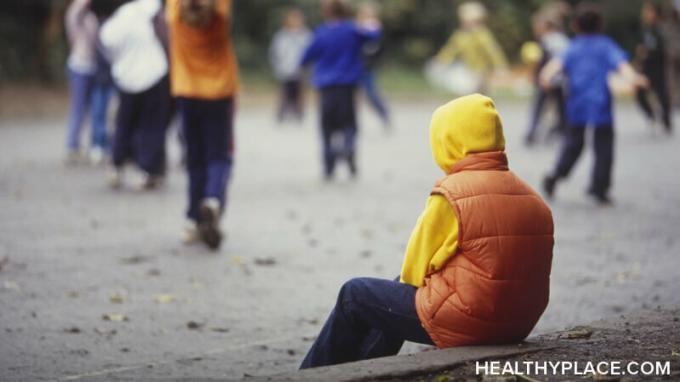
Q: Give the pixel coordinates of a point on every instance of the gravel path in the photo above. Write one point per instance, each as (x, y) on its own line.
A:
(78, 253)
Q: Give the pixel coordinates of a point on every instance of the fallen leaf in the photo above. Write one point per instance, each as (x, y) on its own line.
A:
(114, 317)
(193, 325)
(106, 333)
(116, 298)
(153, 272)
(164, 298)
(72, 294)
(236, 260)
(265, 262)
(675, 353)
(135, 259)
(577, 333)
(72, 330)
(220, 330)
(3, 261)
(11, 285)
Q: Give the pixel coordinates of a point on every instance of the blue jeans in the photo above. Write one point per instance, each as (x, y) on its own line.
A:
(101, 95)
(80, 88)
(369, 87)
(208, 135)
(372, 318)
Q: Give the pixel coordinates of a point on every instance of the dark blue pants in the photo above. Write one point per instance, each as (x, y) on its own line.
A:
(291, 100)
(369, 87)
(659, 86)
(208, 134)
(338, 125)
(372, 318)
(603, 145)
(141, 124)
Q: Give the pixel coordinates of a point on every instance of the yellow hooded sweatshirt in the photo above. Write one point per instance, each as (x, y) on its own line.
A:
(466, 125)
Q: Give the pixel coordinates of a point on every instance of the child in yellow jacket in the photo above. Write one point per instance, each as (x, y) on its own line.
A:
(477, 266)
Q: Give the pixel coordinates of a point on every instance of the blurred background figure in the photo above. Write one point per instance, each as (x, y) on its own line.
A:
(369, 14)
(652, 60)
(285, 52)
(473, 48)
(553, 42)
(102, 89)
(140, 71)
(335, 52)
(204, 78)
(81, 29)
(587, 62)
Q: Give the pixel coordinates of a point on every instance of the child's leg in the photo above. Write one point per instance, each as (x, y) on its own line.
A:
(195, 164)
(80, 86)
(348, 121)
(328, 126)
(372, 318)
(371, 89)
(218, 144)
(101, 95)
(642, 97)
(604, 157)
(126, 117)
(151, 128)
(540, 97)
(571, 150)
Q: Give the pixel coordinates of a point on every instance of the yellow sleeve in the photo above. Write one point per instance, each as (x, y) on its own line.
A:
(449, 51)
(494, 50)
(433, 241)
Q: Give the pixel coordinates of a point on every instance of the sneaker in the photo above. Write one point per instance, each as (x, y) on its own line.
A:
(191, 234)
(115, 178)
(144, 181)
(549, 183)
(96, 156)
(73, 157)
(208, 226)
(600, 199)
(352, 166)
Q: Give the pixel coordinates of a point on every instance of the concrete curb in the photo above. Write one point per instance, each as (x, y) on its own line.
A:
(404, 365)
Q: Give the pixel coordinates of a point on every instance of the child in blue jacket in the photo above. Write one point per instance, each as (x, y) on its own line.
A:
(335, 52)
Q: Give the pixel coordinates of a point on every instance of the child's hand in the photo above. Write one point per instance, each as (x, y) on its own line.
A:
(641, 81)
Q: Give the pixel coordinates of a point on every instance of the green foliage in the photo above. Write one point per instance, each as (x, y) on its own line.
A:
(414, 30)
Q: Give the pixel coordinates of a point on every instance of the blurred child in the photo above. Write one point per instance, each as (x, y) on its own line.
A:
(204, 78)
(335, 52)
(474, 44)
(477, 266)
(586, 64)
(286, 49)
(371, 51)
(140, 72)
(553, 43)
(652, 53)
(81, 30)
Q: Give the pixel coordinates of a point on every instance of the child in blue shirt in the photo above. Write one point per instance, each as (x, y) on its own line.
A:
(586, 64)
(335, 52)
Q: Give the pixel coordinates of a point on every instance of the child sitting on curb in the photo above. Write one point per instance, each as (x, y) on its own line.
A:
(477, 266)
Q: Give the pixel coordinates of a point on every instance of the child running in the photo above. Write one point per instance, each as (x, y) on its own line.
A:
(477, 266)
(586, 64)
(335, 51)
(204, 78)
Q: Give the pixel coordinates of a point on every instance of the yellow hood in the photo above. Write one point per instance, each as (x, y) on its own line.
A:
(466, 125)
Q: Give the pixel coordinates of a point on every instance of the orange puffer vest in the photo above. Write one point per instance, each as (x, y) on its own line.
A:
(496, 286)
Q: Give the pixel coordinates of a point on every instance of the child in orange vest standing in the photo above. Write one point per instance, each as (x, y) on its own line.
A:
(477, 266)
(204, 78)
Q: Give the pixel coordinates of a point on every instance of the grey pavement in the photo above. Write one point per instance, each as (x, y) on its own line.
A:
(254, 307)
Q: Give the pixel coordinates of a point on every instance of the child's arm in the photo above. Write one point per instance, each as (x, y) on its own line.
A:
(549, 71)
(433, 241)
(632, 76)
